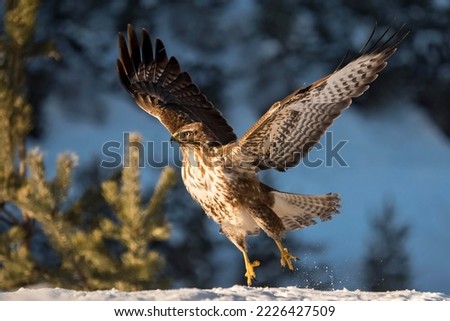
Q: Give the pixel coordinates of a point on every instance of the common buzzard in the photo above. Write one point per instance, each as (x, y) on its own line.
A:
(220, 170)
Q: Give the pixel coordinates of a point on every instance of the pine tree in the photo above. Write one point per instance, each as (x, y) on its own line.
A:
(386, 265)
(16, 46)
(115, 249)
(140, 225)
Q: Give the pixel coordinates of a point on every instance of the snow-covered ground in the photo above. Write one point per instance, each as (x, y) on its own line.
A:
(235, 293)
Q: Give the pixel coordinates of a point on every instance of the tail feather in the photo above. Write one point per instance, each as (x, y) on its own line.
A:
(297, 210)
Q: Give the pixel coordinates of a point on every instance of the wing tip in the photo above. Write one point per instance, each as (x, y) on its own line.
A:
(160, 51)
(385, 42)
(146, 48)
(123, 76)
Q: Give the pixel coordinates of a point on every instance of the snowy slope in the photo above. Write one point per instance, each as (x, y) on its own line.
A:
(235, 293)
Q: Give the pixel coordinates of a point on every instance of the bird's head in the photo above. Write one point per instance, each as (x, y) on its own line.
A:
(195, 134)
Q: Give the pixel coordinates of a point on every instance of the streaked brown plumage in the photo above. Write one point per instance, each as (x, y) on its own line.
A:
(220, 170)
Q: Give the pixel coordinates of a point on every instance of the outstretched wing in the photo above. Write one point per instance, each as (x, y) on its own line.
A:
(161, 89)
(289, 129)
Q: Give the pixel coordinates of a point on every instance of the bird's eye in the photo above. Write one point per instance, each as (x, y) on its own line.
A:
(187, 135)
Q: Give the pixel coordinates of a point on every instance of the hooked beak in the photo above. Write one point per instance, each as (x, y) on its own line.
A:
(174, 138)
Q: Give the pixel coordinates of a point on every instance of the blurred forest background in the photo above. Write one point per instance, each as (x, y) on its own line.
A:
(74, 224)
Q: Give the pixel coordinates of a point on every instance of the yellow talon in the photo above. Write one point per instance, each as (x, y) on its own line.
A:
(286, 256)
(249, 269)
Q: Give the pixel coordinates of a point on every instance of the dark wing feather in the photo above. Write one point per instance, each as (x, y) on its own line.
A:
(289, 129)
(161, 89)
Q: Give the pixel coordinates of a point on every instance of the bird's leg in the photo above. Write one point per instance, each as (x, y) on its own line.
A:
(249, 271)
(286, 256)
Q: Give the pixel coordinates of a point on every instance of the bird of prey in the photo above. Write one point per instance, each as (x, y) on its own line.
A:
(220, 170)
